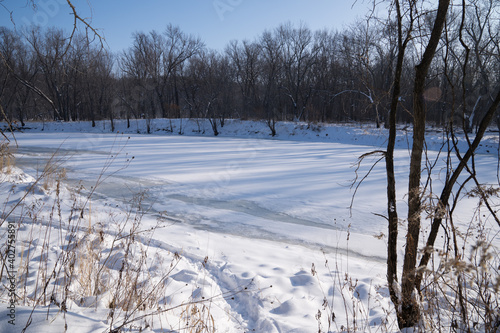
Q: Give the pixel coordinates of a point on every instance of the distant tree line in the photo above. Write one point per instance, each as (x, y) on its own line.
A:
(289, 73)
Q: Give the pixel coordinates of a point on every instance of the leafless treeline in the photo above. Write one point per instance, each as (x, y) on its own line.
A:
(289, 73)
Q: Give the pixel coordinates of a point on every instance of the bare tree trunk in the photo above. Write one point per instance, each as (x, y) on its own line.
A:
(410, 313)
(392, 215)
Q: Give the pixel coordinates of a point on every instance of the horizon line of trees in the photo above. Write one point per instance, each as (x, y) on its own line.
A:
(288, 73)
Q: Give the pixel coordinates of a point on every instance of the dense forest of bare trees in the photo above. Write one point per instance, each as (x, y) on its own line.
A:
(289, 73)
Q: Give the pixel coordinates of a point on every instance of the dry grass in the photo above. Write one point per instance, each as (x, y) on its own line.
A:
(198, 319)
(7, 159)
(68, 253)
(460, 290)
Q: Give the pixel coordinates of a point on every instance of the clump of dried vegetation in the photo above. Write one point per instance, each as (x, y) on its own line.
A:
(68, 254)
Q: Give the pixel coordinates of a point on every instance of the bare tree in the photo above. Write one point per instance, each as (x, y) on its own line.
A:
(245, 59)
(28, 79)
(98, 86)
(299, 54)
(13, 54)
(135, 63)
(50, 49)
(403, 38)
(407, 300)
(272, 68)
(364, 52)
(155, 60)
(410, 310)
(211, 90)
(481, 32)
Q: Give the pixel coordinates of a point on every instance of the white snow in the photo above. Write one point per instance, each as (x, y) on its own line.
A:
(258, 229)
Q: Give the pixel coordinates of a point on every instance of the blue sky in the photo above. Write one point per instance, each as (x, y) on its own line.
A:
(216, 22)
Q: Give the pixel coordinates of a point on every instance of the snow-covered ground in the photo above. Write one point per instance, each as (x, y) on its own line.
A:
(259, 230)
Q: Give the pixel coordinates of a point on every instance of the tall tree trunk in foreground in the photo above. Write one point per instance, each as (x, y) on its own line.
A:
(392, 215)
(409, 311)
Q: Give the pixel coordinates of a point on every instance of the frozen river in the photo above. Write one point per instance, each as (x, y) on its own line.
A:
(254, 211)
(295, 192)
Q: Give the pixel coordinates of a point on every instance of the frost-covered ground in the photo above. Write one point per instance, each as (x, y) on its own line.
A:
(249, 220)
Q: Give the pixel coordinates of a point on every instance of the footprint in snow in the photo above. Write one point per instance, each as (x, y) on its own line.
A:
(302, 279)
(286, 308)
(185, 276)
(363, 291)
